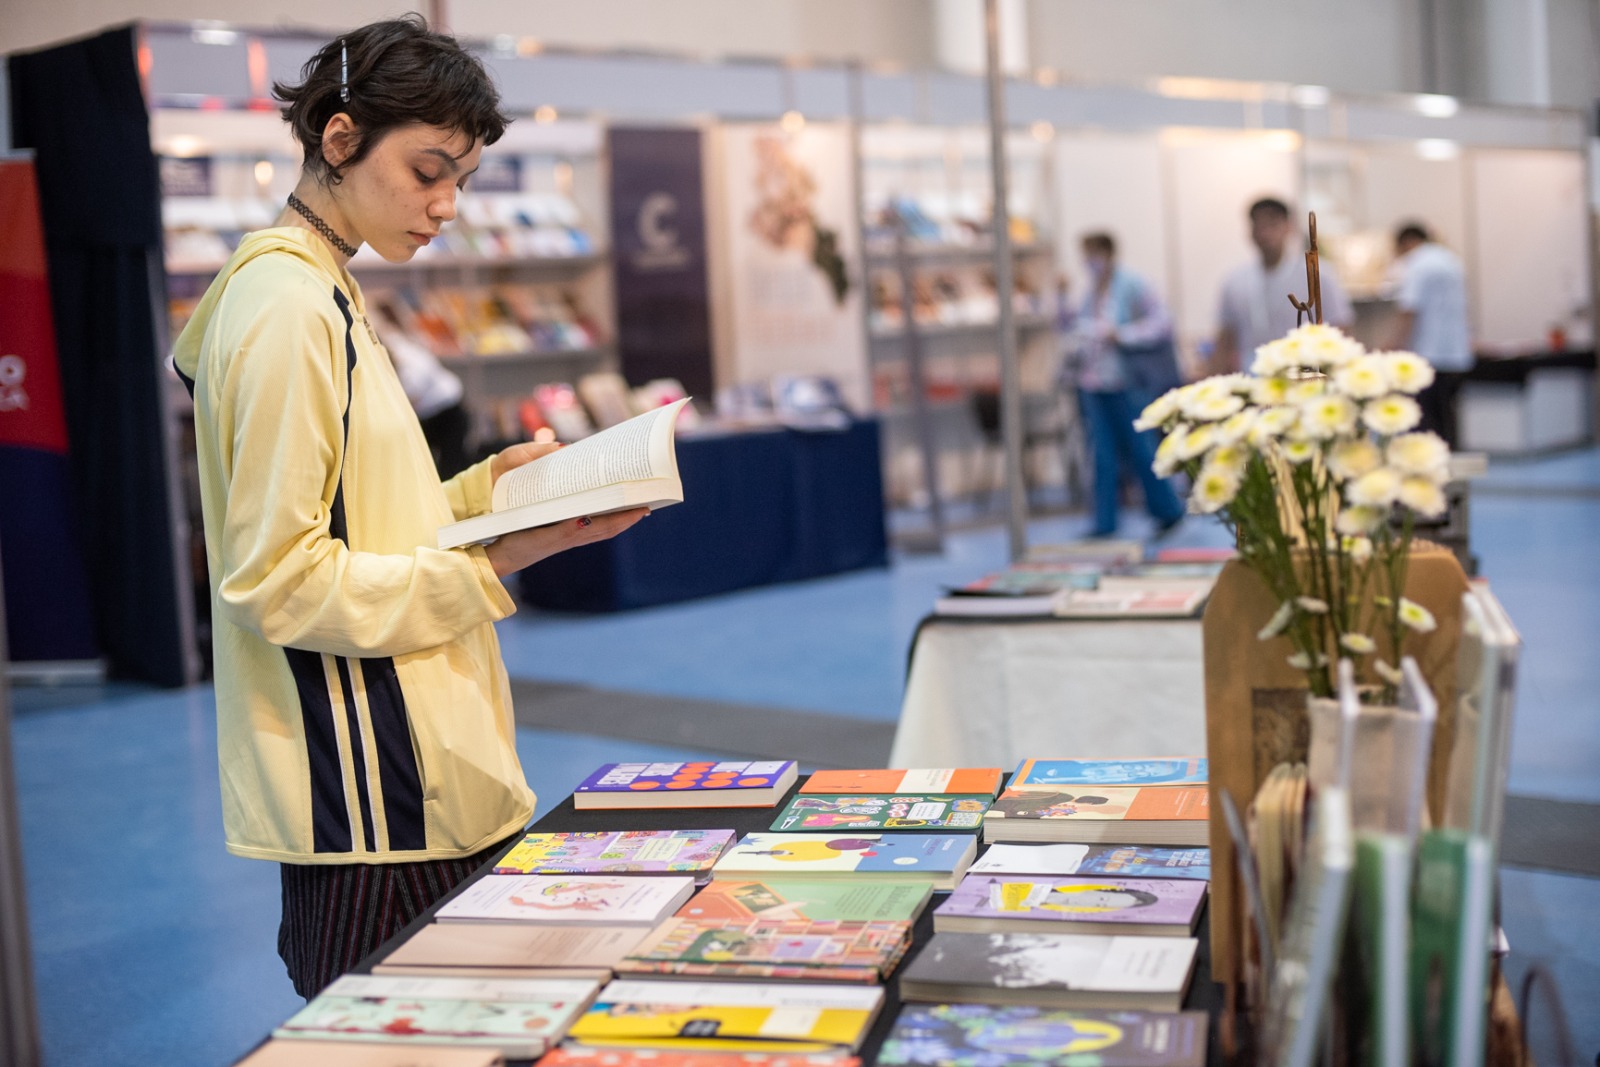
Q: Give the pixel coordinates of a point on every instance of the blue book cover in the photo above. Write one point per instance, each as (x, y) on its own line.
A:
(942, 857)
(1177, 770)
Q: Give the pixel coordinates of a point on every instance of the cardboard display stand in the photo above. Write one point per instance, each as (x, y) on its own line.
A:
(1255, 707)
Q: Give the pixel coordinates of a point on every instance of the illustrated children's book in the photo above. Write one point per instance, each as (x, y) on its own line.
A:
(1151, 815)
(985, 1035)
(826, 950)
(963, 781)
(892, 811)
(1142, 861)
(940, 858)
(808, 898)
(1151, 906)
(730, 1016)
(618, 851)
(1049, 773)
(1052, 970)
(702, 784)
(520, 1017)
(581, 899)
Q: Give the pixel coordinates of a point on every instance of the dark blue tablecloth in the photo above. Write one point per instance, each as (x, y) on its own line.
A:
(759, 507)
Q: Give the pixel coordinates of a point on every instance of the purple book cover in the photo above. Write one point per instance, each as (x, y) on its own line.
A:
(1107, 900)
(615, 852)
(671, 777)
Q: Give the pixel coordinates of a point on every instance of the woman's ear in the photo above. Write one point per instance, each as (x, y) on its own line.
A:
(339, 139)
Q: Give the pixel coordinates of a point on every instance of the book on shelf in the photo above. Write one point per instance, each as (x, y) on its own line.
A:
(891, 811)
(1147, 815)
(581, 1056)
(1374, 974)
(1153, 907)
(698, 784)
(764, 1017)
(558, 403)
(1132, 601)
(938, 858)
(1300, 985)
(831, 950)
(1052, 970)
(808, 898)
(632, 465)
(1138, 861)
(608, 398)
(521, 1017)
(617, 852)
(572, 899)
(1451, 930)
(512, 950)
(1165, 770)
(966, 781)
(989, 1035)
(308, 1053)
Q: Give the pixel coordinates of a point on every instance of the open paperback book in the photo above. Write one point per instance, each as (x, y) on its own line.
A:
(631, 465)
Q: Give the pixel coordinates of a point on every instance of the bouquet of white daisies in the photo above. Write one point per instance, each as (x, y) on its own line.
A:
(1314, 462)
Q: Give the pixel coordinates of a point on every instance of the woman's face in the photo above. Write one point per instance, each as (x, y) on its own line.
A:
(398, 197)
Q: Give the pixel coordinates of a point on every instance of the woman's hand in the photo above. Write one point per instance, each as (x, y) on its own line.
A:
(517, 550)
(510, 459)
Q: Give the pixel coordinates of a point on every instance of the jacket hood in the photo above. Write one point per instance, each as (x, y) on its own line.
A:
(291, 240)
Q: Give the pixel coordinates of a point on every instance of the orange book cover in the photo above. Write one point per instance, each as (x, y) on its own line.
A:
(1188, 803)
(961, 781)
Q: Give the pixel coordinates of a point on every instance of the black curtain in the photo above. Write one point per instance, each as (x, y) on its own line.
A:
(81, 109)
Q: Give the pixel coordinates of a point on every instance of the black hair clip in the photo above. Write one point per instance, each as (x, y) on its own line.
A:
(344, 72)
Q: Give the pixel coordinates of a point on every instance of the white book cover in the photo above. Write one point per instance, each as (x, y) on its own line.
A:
(1030, 859)
(569, 899)
(522, 1017)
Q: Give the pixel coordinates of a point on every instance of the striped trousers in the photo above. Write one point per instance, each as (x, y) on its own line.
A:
(334, 915)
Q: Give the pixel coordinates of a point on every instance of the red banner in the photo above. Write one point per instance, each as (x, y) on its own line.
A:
(30, 384)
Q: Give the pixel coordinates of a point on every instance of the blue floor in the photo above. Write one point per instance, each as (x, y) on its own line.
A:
(153, 945)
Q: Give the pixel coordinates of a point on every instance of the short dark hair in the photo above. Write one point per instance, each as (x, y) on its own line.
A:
(398, 72)
(1269, 205)
(1412, 231)
(1100, 241)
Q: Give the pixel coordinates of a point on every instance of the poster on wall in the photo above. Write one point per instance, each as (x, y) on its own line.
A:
(659, 233)
(792, 256)
(46, 587)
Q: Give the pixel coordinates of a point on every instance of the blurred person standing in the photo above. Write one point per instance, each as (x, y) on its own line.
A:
(1432, 321)
(1113, 339)
(1255, 305)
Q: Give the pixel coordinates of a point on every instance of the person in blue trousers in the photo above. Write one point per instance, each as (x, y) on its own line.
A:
(1110, 335)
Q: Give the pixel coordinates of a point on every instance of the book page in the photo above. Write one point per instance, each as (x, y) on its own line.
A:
(623, 453)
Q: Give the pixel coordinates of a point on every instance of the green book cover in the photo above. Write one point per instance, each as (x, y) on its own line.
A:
(907, 811)
(1451, 921)
(775, 898)
(1377, 950)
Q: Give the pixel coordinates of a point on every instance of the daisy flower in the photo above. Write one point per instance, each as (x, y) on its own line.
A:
(1407, 371)
(1357, 521)
(1167, 458)
(1329, 415)
(1278, 623)
(1375, 489)
(1302, 662)
(1237, 428)
(1268, 392)
(1271, 425)
(1360, 644)
(1423, 496)
(1416, 617)
(1419, 453)
(1392, 414)
(1364, 378)
(1158, 411)
(1387, 673)
(1214, 489)
(1348, 460)
(1297, 452)
(1195, 442)
(1311, 605)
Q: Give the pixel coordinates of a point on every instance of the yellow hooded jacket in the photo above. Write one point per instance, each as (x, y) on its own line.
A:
(363, 711)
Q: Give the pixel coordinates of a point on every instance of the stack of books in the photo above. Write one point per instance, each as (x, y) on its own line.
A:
(1138, 802)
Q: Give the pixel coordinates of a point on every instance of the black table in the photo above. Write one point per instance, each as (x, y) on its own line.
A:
(760, 507)
(1204, 995)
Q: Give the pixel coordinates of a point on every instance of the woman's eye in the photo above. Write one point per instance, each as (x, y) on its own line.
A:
(425, 179)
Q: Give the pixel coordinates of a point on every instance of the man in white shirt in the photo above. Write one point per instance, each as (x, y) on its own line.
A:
(1255, 296)
(1432, 321)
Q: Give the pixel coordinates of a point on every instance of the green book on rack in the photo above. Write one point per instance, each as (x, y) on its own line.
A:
(1451, 920)
(1377, 950)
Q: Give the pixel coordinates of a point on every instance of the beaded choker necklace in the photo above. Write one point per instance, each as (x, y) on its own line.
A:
(321, 227)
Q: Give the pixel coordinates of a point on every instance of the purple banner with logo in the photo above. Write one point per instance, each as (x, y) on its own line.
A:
(658, 225)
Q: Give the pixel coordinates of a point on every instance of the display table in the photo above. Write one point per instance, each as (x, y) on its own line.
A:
(992, 692)
(1204, 995)
(1527, 404)
(759, 507)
